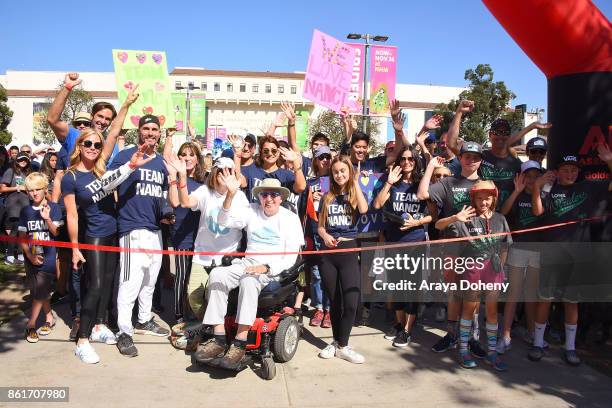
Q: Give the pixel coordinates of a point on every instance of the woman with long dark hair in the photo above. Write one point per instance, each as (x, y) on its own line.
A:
(48, 167)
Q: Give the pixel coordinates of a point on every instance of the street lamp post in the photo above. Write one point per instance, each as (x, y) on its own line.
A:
(189, 88)
(367, 38)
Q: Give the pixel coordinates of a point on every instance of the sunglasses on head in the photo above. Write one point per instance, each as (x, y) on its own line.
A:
(266, 194)
(82, 123)
(403, 159)
(270, 151)
(88, 144)
(324, 157)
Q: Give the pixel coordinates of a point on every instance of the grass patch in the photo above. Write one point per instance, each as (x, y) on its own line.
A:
(8, 270)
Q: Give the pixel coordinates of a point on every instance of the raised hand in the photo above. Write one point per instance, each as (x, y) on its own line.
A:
(604, 153)
(170, 132)
(395, 174)
(394, 108)
(466, 213)
(138, 158)
(436, 162)
(433, 122)
(71, 80)
(347, 122)
(519, 182)
(288, 109)
(192, 131)
(236, 141)
(540, 125)
(279, 120)
(547, 178)
(398, 121)
(132, 95)
(175, 165)
(230, 181)
(45, 211)
(465, 106)
(421, 136)
(288, 154)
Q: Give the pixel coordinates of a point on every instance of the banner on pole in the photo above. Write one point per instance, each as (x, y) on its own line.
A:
(357, 73)
(383, 68)
(198, 114)
(180, 112)
(328, 75)
(148, 69)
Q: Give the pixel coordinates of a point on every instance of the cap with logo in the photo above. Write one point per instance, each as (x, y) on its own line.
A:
(471, 147)
(569, 159)
(536, 143)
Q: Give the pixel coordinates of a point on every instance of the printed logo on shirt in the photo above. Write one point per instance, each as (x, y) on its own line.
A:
(339, 215)
(526, 217)
(95, 187)
(488, 171)
(406, 202)
(150, 184)
(266, 236)
(211, 223)
(461, 197)
(563, 204)
(39, 229)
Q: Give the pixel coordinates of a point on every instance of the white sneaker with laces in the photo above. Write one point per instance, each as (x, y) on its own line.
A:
(102, 334)
(350, 355)
(86, 353)
(503, 345)
(329, 351)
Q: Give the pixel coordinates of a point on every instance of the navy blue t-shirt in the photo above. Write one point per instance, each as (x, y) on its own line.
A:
(403, 200)
(376, 164)
(31, 222)
(186, 222)
(339, 221)
(141, 195)
(255, 175)
(96, 206)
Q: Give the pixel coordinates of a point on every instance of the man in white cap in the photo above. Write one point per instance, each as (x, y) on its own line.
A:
(270, 228)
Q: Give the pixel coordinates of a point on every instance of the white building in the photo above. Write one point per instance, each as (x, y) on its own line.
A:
(237, 101)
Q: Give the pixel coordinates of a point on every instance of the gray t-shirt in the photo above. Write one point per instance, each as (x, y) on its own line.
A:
(501, 171)
(451, 193)
(480, 226)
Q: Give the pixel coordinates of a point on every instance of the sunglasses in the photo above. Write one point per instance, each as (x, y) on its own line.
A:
(23, 159)
(26, 151)
(538, 151)
(249, 145)
(270, 152)
(88, 143)
(267, 194)
(439, 175)
(409, 159)
(82, 123)
(324, 157)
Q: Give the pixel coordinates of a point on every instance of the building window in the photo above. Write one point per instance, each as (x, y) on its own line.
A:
(281, 89)
(217, 87)
(177, 85)
(204, 86)
(230, 87)
(293, 89)
(268, 88)
(242, 87)
(255, 88)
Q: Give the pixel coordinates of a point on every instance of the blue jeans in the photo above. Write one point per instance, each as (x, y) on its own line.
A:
(320, 300)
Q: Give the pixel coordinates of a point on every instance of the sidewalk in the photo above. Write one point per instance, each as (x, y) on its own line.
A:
(415, 376)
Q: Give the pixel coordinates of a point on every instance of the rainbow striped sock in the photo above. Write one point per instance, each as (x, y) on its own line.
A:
(492, 337)
(465, 328)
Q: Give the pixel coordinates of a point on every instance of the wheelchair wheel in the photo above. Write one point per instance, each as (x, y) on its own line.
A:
(286, 339)
(268, 368)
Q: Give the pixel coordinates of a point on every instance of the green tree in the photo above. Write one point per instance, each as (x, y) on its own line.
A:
(491, 101)
(5, 118)
(79, 100)
(329, 124)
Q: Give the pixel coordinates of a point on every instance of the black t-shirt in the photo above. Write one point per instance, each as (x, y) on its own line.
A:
(521, 217)
(452, 193)
(501, 171)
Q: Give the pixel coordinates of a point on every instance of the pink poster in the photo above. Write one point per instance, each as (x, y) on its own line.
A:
(383, 67)
(357, 70)
(215, 133)
(328, 75)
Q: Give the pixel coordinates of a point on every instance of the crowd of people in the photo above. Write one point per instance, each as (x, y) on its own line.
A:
(265, 195)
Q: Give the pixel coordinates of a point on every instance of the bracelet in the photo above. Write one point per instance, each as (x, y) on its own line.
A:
(132, 166)
(290, 124)
(182, 185)
(68, 87)
(174, 183)
(391, 185)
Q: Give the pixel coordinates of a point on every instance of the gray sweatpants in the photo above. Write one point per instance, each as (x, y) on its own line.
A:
(225, 278)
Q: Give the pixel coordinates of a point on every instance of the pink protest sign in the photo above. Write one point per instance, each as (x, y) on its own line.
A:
(328, 76)
(357, 69)
(383, 68)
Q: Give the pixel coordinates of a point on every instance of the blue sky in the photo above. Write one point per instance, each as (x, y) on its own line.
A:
(437, 41)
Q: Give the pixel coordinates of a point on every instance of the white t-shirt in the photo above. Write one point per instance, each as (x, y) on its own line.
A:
(211, 236)
(281, 232)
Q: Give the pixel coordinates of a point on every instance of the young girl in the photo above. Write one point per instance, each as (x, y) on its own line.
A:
(480, 219)
(399, 201)
(340, 271)
(39, 221)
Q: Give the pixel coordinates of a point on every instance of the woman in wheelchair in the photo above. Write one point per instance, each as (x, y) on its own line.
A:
(270, 228)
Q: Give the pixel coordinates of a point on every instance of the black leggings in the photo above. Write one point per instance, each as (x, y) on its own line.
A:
(100, 267)
(340, 274)
(183, 270)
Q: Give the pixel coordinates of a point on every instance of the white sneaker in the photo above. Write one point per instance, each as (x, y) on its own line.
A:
(329, 351)
(503, 345)
(103, 335)
(350, 355)
(86, 353)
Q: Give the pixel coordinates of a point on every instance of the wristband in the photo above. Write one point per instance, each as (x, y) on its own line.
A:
(132, 166)
(174, 183)
(290, 124)
(182, 185)
(68, 87)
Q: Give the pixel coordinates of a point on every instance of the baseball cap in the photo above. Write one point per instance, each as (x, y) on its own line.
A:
(501, 127)
(224, 163)
(431, 139)
(250, 138)
(471, 147)
(321, 150)
(530, 164)
(536, 143)
(22, 155)
(569, 159)
(148, 119)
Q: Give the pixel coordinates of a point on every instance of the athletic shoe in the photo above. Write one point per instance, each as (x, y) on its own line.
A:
(402, 339)
(126, 346)
(86, 353)
(495, 361)
(503, 345)
(535, 354)
(445, 343)
(57, 297)
(211, 350)
(476, 349)
(326, 321)
(466, 360)
(151, 328)
(233, 358)
(103, 335)
(74, 330)
(441, 314)
(46, 328)
(350, 355)
(10, 260)
(571, 358)
(31, 336)
(329, 351)
(394, 331)
(317, 318)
